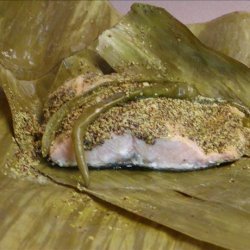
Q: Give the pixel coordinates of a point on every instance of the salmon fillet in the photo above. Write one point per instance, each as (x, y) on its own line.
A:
(160, 133)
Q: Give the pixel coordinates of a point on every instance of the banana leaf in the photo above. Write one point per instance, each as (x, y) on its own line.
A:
(228, 34)
(151, 42)
(37, 35)
(6, 138)
(83, 62)
(49, 216)
(211, 205)
(207, 208)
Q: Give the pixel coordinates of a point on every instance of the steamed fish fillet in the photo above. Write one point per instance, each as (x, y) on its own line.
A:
(160, 133)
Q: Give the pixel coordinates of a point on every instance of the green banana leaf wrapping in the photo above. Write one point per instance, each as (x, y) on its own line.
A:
(149, 41)
(51, 216)
(128, 209)
(36, 36)
(81, 63)
(228, 34)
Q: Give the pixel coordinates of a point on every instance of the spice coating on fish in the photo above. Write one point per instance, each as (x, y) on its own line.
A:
(160, 133)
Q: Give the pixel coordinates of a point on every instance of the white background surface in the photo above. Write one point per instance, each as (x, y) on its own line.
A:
(190, 11)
